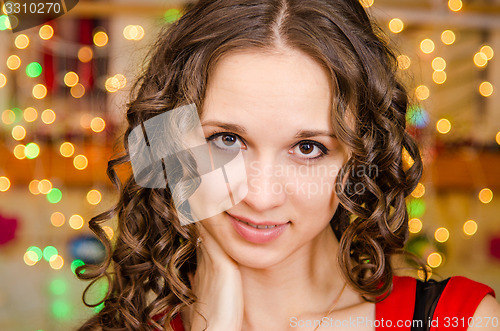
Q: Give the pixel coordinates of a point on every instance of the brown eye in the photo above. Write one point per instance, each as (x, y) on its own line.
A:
(228, 140)
(306, 148)
(309, 150)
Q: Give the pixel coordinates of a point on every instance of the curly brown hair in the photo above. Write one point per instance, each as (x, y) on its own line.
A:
(147, 266)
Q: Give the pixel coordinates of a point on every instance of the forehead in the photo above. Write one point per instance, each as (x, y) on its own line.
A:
(283, 86)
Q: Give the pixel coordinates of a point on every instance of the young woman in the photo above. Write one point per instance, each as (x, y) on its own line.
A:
(307, 91)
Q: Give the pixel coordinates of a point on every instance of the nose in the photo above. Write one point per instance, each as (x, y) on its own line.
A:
(266, 189)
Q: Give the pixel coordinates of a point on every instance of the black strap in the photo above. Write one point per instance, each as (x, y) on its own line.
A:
(426, 298)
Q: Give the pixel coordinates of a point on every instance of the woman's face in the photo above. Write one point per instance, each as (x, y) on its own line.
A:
(276, 107)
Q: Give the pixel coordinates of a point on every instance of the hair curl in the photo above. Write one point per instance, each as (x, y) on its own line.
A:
(153, 252)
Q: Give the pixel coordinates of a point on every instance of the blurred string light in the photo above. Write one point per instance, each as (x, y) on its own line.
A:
(56, 262)
(174, 14)
(480, 59)
(30, 114)
(61, 309)
(30, 258)
(67, 149)
(438, 64)
(419, 191)
(100, 39)
(80, 162)
(77, 91)
(58, 286)
(54, 196)
(485, 195)
(85, 120)
(4, 184)
(85, 54)
(94, 197)
(422, 275)
(486, 89)
(18, 132)
(48, 116)
(13, 62)
(417, 117)
(427, 46)
(8, 116)
(108, 231)
(97, 124)
(396, 25)
(44, 186)
(33, 187)
(448, 37)
(4, 22)
(39, 91)
(13, 22)
(46, 32)
(49, 252)
(497, 137)
(415, 225)
(488, 52)
(34, 253)
(416, 208)
(57, 219)
(404, 62)
(32, 150)
(422, 92)
(19, 152)
(133, 32)
(33, 70)
(3, 80)
(75, 264)
(439, 77)
(366, 3)
(455, 5)
(443, 126)
(434, 260)
(115, 83)
(441, 235)
(470, 227)
(22, 41)
(76, 222)
(71, 79)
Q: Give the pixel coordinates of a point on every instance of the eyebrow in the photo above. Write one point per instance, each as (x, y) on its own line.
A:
(301, 134)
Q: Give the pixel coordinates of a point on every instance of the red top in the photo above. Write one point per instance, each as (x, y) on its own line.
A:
(456, 305)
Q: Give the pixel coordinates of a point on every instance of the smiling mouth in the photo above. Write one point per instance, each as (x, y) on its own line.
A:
(257, 226)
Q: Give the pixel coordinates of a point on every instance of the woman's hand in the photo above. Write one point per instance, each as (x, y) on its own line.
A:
(217, 284)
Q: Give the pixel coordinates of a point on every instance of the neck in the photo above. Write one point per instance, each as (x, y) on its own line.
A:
(303, 284)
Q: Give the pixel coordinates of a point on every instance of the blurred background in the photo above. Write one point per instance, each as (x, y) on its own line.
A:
(63, 88)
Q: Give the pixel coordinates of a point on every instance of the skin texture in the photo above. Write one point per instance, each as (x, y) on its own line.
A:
(273, 95)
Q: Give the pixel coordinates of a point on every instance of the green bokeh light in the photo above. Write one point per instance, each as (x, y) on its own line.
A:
(61, 309)
(4, 22)
(54, 196)
(416, 208)
(48, 252)
(99, 308)
(34, 69)
(19, 114)
(58, 286)
(172, 15)
(37, 251)
(75, 264)
(32, 150)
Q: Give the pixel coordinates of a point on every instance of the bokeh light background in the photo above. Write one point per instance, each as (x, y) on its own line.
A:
(63, 89)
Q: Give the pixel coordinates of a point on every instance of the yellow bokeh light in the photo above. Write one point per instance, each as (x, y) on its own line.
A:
(122, 80)
(44, 186)
(439, 77)
(486, 89)
(94, 197)
(133, 32)
(448, 37)
(56, 262)
(85, 54)
(415, 225)
(13, 62)
(80, 162)
(497, 137)
(366, 3)
(404, 62)
(4, 184)
(485, 195)
(30, 258)
(30, 114)
(488, 51)
(97, 124)
(75, 222)
(112, 84)
(455, 5)
(427, 46)
(434, 260)
(480, 59)
(441, 235)
(67, 149)
(396, 25)
(78, 91)
(419, 191)
(85, 121)
(438, 63)
(46, 32)
(421, 273)
(3, 80)
(470, 227)
(48, 116)
(108, 231)
(422, 92)
(8, 117)
(57, 219)
(18, 132)
(12, 22)
(443, 126)
(39, 91)
(22, 41)
(71, 79)
(19, 152)
(101, 39)
(33, 187)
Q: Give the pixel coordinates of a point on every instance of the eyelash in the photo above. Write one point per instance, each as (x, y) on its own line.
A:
(322, 148)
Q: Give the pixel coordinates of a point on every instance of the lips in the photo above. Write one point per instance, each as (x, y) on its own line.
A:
(258, 233)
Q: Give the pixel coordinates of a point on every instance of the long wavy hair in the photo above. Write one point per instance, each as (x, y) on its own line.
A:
(147, 264)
